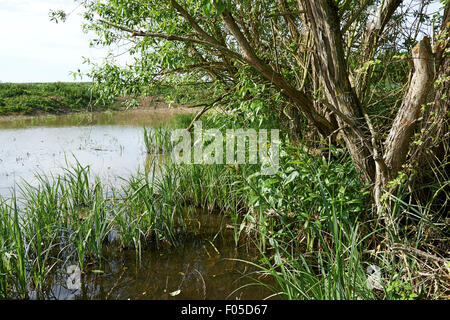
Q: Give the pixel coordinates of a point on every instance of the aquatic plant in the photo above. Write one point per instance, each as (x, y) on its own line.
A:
(157, 140)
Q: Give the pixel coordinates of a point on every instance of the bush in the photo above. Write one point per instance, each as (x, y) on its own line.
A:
(29, 104)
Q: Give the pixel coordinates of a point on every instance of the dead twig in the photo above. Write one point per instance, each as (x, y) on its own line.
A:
(418, 252)
(206, 108)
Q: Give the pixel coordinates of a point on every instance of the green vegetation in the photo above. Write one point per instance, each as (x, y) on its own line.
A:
(157, 140)
(358, 207)
(311, 222)
(60, 97)
(35, 98)
(70, 218)
(183, 94)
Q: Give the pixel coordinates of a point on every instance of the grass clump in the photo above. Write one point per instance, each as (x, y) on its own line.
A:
(157, 140)
(70, 218)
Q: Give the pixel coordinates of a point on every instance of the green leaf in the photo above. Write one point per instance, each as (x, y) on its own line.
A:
(291, 177)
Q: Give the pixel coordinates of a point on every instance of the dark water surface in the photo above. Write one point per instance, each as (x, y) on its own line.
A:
(202, 266)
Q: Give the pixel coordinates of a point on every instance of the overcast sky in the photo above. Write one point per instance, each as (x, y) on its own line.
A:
(33, 49)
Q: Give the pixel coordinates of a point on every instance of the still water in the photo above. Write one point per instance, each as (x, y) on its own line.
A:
(111, 144)
(204, 263)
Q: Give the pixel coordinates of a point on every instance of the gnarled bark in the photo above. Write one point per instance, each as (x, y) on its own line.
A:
(398, 141)
(324, 22)
(379, 165)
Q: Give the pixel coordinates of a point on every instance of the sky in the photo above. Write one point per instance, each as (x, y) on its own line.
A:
(34, 49)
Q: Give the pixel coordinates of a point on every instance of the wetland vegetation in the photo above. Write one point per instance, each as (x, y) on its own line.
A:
(358, 208)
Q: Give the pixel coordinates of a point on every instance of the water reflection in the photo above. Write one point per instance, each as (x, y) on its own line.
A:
(203, 266)
(110, 151)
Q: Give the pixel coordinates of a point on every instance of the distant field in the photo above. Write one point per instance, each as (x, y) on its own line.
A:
(37, 98)
(66, 97)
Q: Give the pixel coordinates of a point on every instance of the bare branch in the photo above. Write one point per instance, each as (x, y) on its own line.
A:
(397, 143)
(172, 37)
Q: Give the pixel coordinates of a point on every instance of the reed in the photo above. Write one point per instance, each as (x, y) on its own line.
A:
(69, 218)
(157, 140)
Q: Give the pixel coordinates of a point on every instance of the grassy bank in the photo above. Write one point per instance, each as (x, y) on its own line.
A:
(54, 98)
(60, 98)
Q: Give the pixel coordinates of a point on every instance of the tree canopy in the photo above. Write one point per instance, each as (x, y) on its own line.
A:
(360, 72)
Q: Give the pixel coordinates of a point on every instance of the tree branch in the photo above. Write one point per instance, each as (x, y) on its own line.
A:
(206, 108)
(301, 99)
(397, 143)
(172, 37)
(193, 23)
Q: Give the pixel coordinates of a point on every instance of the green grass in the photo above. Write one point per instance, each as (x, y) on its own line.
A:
(69, 217)
(157, 140)
(336, 267)
(186, 95)
(34, 98)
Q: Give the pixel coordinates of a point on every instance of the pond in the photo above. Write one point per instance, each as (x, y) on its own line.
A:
(204, 263)
(110, 143)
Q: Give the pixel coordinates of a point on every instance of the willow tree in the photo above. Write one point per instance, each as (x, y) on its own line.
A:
(320, 62)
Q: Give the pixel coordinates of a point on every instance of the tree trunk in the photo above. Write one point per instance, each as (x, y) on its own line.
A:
(398, 142)
(433, 151)
(323, 20)
(360, 137)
